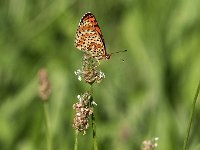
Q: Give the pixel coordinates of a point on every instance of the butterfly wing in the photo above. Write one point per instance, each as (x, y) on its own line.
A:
(89, 37)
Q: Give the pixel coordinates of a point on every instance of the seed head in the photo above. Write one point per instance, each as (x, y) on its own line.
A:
(83, 112)
(44, 84)
(150, 144)
(89, 70)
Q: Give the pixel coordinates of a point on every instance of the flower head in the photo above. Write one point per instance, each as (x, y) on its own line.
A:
(150, 144)
(83, 112)
(44, 84)
(89, 70)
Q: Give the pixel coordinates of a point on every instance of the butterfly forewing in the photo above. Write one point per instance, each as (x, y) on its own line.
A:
(89, 37)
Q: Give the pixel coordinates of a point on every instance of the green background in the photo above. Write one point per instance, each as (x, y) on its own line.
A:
(148, 95)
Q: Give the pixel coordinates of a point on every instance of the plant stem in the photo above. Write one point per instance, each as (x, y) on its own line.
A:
(93, 123)
(47, 122)
(94, 132)
(191, 118)
(76, 141)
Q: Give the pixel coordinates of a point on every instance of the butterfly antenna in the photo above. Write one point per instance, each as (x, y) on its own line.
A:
(119, 52)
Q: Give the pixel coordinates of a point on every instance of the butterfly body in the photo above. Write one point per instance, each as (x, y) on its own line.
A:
(89, 38)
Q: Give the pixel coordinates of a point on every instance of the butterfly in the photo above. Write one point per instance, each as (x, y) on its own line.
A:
(89, 38)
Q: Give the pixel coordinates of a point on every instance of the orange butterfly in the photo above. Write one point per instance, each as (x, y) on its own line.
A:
(89, 38)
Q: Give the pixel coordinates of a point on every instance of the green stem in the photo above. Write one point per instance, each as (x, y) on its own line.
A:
(93, 123)
(47, 122)
(94, 132)
(76, 141)
(91, 89)
(191, 118)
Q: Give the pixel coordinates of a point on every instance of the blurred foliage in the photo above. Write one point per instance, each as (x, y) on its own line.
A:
(149, 95)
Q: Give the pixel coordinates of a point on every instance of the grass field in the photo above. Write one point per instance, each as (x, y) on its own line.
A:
(147, 95)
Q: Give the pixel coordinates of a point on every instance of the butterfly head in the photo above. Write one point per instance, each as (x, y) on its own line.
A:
(107, 56)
